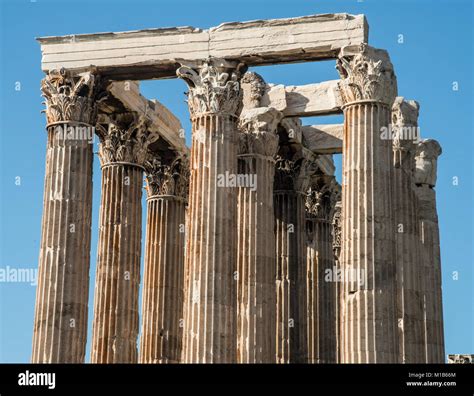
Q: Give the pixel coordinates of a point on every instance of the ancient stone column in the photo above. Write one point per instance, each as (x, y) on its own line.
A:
(321, 270)
(427, 152)
(408, 264)
(163, 284)
(369, 311)
(60, 324)
(122, 153)
(210, 325)
(256, 294)
(290, 188)
(336, 232)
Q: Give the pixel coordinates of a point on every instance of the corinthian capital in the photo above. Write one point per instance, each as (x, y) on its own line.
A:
(69, 97)
(321, 197)
(258, 131)
(126, 139)
(167, 177)
(214, 87)
(405, 131)
(253, 88)
(426, 160)
(293, 171)
(366, 74)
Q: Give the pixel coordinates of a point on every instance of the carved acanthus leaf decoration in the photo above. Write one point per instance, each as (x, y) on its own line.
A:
(170, 178)
(366, 74)
(258, 131)
(293, 173)
(126, 139)
(69, 97)
(321, 197)
(214, 88)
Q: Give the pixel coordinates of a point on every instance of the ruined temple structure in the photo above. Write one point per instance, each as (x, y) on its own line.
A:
(253, 251)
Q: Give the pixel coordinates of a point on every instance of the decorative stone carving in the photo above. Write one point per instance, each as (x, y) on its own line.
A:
(213, 87)
(461, 359)
(405, 131)
(427, 153)
(69, 97)
(293, 172)
(366, 74)
(258, 131)
(321, 198)
(167, 179)
(405, 112)
(126, 139)
(337, 229)
(253, 87)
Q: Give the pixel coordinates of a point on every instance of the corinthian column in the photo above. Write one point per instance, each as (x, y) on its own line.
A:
(336, 233)
(369, 314)
(321, 281)
(427, 153)
(163, 286)
(409, 266)
(291, 184)
(210, 326)
(256, 295)
(122, 153)
(60, 324)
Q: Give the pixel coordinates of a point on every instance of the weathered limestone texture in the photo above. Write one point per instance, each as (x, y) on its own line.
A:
(321, 288)
(215, 101)
(153, 53)
(291, 183)
(163, 284)
(253, 252)
(405, 209)
(336, 233)
(60, 324)
(427, 152)
(122, 153)
(256, 293)
(368, 312)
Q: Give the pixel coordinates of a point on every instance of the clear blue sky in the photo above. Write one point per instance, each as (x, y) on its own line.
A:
(437, 51)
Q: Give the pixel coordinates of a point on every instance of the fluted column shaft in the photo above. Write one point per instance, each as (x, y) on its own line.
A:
(289, 206)
(63, 277)
(431, 258)
(60, 323)
(290, 245)
(427, 152)
(369, 320)
(210, 325)
(409, 265)
(163, 285)
(122, 152)
(161, 336)
(369, 310)
(256, 263)
(321, 294)
(115, 327)
(321, 275)
(256, 295)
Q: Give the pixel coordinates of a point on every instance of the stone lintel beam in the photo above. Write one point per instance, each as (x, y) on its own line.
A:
(323, 139)
(155, 53)
(304, 100)
(163, 123)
